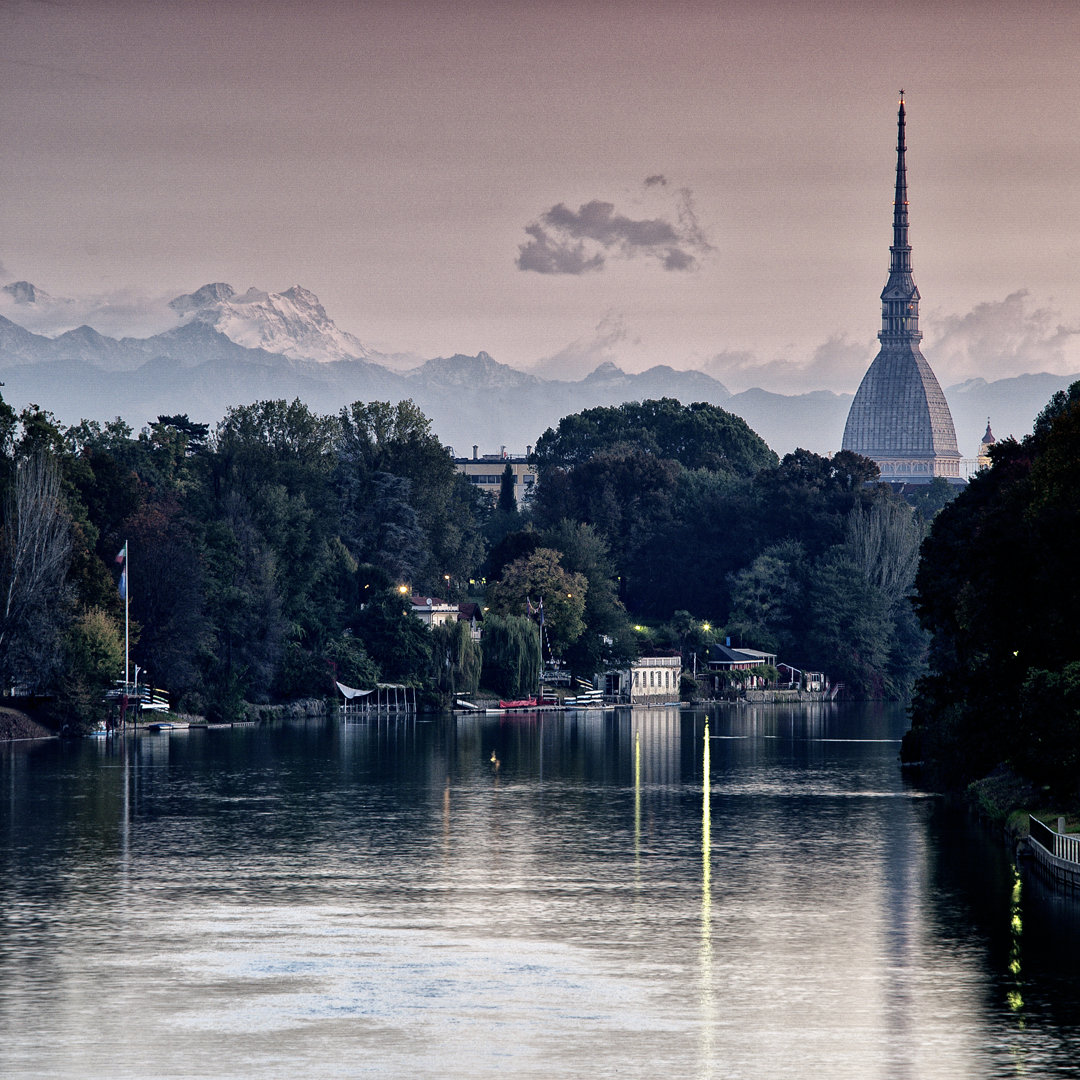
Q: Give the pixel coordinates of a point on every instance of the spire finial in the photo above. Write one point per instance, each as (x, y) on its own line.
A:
(900, 298)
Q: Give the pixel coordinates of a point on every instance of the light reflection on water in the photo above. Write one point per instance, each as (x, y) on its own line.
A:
(761, 895)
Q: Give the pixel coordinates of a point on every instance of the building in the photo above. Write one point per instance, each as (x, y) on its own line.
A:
(988, 440)
(649, 680)
(899, 416)
(723, 659)
(486, 471)
(432, 612)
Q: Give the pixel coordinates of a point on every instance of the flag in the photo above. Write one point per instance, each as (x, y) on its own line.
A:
(528, 607)
(121, 558)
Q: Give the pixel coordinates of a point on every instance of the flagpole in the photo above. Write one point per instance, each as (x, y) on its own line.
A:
(127, 601)
(540, 631)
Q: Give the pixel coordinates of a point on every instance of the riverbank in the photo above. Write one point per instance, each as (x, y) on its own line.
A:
(15, 724)
(1005, 801)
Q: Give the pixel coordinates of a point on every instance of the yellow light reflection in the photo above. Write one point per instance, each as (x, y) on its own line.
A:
(1014, 999)
(706, 972)
(706, 854)
(637, 805)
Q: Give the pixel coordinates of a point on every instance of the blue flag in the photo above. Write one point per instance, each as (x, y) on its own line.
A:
(121, 558)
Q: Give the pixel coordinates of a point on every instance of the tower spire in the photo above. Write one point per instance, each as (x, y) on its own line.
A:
(900, 297)
(899, 417)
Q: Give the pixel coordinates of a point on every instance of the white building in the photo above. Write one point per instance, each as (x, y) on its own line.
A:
(649, 680)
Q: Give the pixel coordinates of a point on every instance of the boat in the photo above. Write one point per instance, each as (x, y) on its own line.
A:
(527, 703)
(591, 699)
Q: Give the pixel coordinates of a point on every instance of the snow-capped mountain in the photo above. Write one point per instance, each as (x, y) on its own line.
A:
(291, 323)
(222, 349)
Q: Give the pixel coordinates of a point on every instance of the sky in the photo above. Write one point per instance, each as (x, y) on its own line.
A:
(559, 182)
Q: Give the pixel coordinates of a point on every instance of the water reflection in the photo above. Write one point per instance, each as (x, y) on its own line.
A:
(708, 1018)
(750, 892)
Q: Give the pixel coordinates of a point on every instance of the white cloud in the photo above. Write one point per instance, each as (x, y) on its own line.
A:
(124, 313)
(580, 357)
(837, 364)
(998, 339)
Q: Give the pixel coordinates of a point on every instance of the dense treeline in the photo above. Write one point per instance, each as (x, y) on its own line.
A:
(999, 588)
(807, 556)
(274, 553)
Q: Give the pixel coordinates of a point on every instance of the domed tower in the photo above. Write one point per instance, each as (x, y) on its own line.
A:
(988, 440)
(899, 417)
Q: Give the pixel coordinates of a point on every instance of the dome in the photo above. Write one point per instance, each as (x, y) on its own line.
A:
(901, 420)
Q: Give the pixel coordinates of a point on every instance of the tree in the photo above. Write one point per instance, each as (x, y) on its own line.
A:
(378, 437)
(511, 655)
(768, 597)
(928, 499)
(849, 625)
(696, 436)
(507, 503)
(168, 596)
(380, 526)
(883, 540)
(997, 589)
(539, 581)
(457, 659)
(1048, 743)
(395, 638)
(608, 638)
(35, 551)
(94, 659)
(250, 626)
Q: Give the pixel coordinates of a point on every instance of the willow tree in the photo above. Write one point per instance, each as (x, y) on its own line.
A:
(456, 658)
(511, 655)
(35, 552)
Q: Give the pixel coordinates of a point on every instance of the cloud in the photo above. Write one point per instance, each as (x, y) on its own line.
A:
(1001, 338)
(566, 241)
(837, 364)
(115, 314)
(548, 255)
(996, 339)
(584, 355)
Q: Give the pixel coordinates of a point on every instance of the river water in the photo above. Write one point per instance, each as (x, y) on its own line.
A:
(752, 892)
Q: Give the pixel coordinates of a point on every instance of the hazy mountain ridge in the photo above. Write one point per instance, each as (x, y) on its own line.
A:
(200, 367)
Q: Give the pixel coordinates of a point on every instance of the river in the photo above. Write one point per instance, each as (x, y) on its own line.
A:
(752, 892)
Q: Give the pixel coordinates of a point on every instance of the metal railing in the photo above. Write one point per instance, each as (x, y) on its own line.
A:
(1059, 844)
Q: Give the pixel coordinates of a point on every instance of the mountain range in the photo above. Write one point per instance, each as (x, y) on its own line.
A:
(228, 349)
